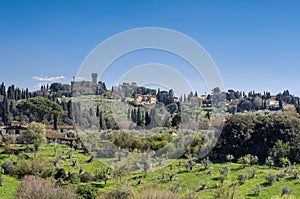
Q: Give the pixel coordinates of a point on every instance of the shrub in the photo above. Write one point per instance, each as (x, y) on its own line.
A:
(120, 192)
(41, 167)
(271, 178)
(269, 161)
(8, 167)
(175, 188)
(229, 157)
(103, 174)
(244, 161)
(286, 191)
(225, 170)
(74, 178)
(253, 159)
(170, 175)
(256, 190)
(86, 192)
(252, 172)
(206, 162)
(23, 167)
(189, 163)
(284, 162)
(227, 191)
(242, 177)
(86, 177)
(293, 172)
(34, 187)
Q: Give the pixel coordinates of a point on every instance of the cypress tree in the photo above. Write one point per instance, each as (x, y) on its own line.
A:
(97, 111)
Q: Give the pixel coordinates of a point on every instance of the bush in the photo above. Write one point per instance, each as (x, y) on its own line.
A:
(175, 188)
(74, 178)
(252, 172)
(269, 161)
(293, 171)
(286, 191)
(103, 174)
(229, 157)
(256, 190)
(86, 177)
(242, 177)
(284, 162)
(42, 168)
(120, 192)
(271, 178)
(23, 167)
(33, 187)
(225, 170)
(87, 192)
(227, 191)
(206, 163)
(8, 167)
(244, 161)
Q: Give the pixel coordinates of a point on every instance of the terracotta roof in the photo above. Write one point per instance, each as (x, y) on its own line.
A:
(59, 127)
(15, 127)
(54, 135)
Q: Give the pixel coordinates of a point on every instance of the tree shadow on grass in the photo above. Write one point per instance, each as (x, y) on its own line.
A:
(97, 185)
(265, 184)
(252, 195)
(236, 168)
(219, 178)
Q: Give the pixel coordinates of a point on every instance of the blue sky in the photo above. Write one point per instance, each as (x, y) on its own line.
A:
(255, 44)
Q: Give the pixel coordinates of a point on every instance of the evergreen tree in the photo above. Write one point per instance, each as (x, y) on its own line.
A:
(69, 109)
(128, 114)
(280, 104)
(147, 119)
(2, 89)
(97, 111)
(138, 118)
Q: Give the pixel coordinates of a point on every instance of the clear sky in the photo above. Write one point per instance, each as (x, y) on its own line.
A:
(255, 44)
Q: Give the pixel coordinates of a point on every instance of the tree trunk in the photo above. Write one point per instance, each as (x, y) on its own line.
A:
(55, 122)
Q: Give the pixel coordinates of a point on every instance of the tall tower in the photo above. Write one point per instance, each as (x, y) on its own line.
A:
(94, 78)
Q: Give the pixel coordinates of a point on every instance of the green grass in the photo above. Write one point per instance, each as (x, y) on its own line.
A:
(10, 184)
(187, 180)
(191, 181)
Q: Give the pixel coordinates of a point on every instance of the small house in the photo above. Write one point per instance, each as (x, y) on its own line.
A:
(60, 128)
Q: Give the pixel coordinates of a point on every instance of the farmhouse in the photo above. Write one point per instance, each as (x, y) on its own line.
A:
(16, 131)
(60, 128)
(146, 99)
(60, 138)
(60, 135)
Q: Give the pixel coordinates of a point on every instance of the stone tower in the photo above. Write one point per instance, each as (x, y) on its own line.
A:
(94, 78)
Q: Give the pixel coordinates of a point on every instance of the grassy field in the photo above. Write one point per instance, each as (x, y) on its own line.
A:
(9, 187)
(205, 182)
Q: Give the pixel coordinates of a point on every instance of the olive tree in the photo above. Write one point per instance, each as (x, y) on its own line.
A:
(36, 134)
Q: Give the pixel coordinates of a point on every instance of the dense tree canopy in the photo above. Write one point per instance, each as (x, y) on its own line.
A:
(261, 135)
(40, 107)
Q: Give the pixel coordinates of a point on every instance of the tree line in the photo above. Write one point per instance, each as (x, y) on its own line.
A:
(275, 135)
